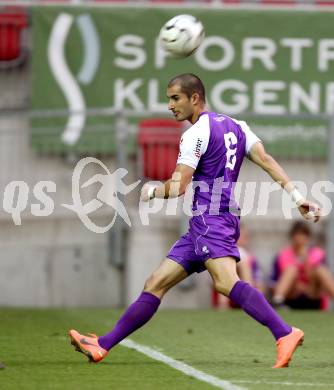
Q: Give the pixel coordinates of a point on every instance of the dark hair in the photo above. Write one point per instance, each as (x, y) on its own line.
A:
(300, 227)
(189, 84)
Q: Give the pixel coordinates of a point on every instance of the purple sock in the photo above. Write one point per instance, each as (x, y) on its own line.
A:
(140, 312)
(255, 304)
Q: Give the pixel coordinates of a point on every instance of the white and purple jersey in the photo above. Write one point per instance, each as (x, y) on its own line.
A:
(215, 147)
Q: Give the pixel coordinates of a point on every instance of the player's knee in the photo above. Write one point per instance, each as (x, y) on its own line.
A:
(149, 283)
(221, 288)
(153, 285)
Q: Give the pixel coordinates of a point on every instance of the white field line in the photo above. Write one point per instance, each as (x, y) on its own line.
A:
(153, 354)
(180, 366)
(296, 384)
(200, 375)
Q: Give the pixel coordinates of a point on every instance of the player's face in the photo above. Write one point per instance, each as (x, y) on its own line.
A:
(179, 103)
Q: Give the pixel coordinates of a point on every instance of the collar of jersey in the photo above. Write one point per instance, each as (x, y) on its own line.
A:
(202, 113)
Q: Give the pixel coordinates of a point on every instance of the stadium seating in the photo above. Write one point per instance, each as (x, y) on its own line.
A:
(12, 24)
(159, 140)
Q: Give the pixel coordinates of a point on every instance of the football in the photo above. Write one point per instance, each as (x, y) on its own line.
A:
(181, 35)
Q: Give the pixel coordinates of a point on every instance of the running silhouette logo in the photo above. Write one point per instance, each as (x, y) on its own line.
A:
(112, 185)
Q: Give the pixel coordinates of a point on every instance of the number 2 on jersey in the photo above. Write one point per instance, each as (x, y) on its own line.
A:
(231, 158)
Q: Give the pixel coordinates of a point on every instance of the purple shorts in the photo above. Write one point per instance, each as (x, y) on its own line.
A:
(209, 237)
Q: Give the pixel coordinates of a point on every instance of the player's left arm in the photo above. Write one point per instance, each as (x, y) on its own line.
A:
(260, 157)
(172, 188)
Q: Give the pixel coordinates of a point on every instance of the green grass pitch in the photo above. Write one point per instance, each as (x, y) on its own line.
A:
(36, 351)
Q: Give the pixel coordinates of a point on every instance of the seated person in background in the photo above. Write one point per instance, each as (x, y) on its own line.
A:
(247, 269)
(301, 279)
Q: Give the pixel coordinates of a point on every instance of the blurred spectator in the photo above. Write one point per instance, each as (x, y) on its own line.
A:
(248, 269)
(301, 279)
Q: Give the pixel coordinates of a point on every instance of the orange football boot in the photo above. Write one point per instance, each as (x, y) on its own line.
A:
(286, 346)
(88, 345)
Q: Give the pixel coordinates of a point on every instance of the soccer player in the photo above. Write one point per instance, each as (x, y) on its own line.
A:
(211, 154)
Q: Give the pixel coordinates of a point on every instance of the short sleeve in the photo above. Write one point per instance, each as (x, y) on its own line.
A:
(316, 256)
(286, 258)
(194, 143)
(251, 137)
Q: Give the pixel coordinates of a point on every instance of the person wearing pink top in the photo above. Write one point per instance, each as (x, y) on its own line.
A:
(301, 277)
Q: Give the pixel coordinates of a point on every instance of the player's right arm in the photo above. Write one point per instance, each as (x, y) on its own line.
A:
(260, 157)
(193, 145)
